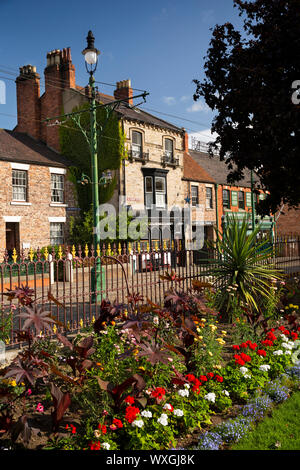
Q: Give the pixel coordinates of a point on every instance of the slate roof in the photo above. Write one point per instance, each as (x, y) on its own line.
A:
(20, 148)
(218, 170)
(194, 172)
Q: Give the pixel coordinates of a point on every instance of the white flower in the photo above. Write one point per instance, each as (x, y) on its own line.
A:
(105, 445)
(138, 422)
(156, 320)
(244, 373)
(210, 397)
(97, 434)
(264, 367)
(187, 385)
(288, 352)
(278, 353)
(163, 419)
(225, 393)
(146, 414)
(178, 412)
(288, 345)
(183, 393)
(167, 406)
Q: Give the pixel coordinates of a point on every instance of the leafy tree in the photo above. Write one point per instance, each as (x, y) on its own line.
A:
(249, 83)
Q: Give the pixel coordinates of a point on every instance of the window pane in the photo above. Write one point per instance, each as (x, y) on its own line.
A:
(160, 184)
(137, 138)
(241, 200)
(209, 201)
(19, 184)
(148, 182)
(195, 199)
(57, 188)
(56, 233)
(226, 198)
(169, 145)
(160, 200)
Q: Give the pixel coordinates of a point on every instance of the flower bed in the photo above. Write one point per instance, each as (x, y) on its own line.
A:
(142, 377)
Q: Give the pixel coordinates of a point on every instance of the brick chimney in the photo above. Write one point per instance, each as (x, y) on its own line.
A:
(123, 91)
(59, 75)
(28, 101)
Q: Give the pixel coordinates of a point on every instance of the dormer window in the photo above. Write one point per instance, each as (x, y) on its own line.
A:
(169, 151)
(136, 146)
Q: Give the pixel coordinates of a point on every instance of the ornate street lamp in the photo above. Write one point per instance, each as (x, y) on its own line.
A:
(91, 60)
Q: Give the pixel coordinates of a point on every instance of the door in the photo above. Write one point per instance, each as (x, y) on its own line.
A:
(12, 237)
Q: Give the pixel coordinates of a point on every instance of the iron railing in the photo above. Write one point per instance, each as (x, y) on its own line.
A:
(62, 283)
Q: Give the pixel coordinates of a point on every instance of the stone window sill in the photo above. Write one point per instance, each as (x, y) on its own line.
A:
(20, 203)
(58, 204)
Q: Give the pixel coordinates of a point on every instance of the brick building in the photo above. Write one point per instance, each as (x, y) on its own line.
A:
(36, 197)
(231, 199)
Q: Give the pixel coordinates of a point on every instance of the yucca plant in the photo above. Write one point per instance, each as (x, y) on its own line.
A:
(243, 272)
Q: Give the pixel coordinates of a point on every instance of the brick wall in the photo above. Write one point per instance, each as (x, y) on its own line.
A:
(288, 221)
(34, 224)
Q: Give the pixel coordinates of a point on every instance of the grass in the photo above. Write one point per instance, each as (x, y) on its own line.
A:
(280, 431)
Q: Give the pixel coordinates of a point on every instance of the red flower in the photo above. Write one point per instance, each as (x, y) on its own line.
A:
(244, 345)
(159, 392)
(131, 412)
(95, 445)
(236, 347)
(252, 346)
(190, 377)
(117, 422)
(245, 357)
(271, 336)
(129, 400)
(73, 428)
(203, 378)
(281, 328)
(294, 335)
(210, 375)
(219, 378)
(261, 352)
(102, 428)
(196, 385)
(286, 333)
(267, 342)
(239, 360)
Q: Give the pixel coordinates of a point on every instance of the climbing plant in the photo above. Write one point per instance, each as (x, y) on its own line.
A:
(111, 151)
(75, 146)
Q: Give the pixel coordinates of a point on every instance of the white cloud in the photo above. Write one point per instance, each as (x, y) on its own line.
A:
(198, 106)
(184, 98)
(169, 100)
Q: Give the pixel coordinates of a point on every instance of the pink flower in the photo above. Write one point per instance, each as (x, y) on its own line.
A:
(40, 408)
(29, 392)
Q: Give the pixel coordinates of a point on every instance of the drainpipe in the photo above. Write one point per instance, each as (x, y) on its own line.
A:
(217, 209)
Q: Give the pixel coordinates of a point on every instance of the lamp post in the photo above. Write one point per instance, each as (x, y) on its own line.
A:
(91, 60)
(252, 202)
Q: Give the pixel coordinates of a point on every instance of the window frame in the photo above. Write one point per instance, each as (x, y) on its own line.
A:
(210, 198)
(62, 232)
(195, 198)
(241, 202)
(16, 175)
(169, 154)
(226, 191)
(138, 151)
(59, 190)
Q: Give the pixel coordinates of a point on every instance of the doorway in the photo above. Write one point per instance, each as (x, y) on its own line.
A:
(12, 230)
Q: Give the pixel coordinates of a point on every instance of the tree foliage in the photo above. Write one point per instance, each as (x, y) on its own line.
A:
(249, 84)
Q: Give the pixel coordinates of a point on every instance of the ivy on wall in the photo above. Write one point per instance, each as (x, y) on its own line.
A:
(75, 147)
(111, 151)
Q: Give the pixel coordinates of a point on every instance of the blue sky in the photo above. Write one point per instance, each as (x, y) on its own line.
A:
(160, 45)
